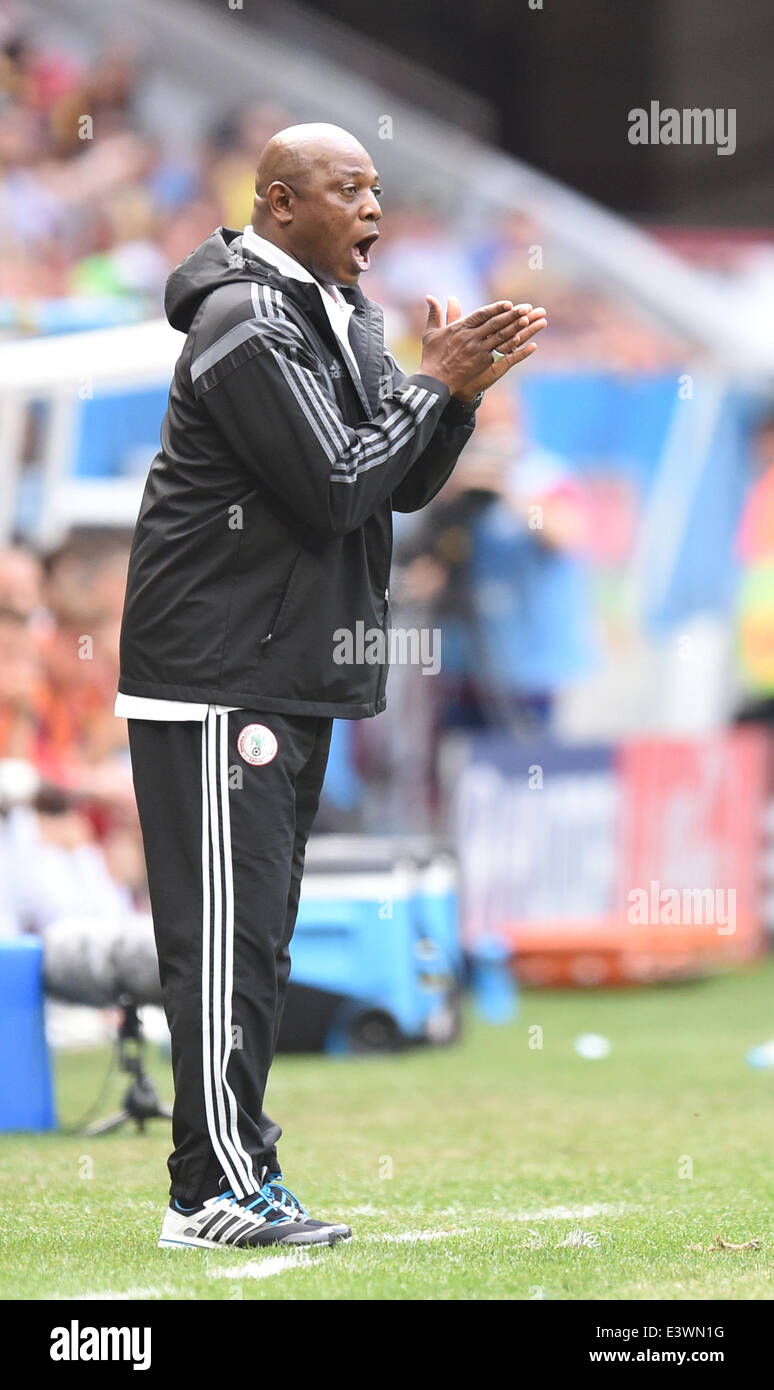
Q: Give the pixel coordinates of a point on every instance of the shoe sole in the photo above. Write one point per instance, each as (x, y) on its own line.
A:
(331, 1237)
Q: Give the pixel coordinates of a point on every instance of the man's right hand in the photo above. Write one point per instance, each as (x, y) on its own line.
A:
(460, 350)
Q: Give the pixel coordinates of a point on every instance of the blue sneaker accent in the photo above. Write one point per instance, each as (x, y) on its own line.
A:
(180, 1207)
(275, 1191)
(260, 1200)
(272, 1192)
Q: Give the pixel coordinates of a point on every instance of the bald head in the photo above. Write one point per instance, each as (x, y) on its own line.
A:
(316, 197)
(293, 153)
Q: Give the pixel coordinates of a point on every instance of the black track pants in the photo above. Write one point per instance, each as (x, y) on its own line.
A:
(225, 820)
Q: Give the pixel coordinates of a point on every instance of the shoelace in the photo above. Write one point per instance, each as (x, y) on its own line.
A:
(288, 1201)
(262, 1199)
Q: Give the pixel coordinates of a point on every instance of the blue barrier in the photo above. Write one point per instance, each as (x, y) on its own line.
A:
(118, 433)
(26, 1096)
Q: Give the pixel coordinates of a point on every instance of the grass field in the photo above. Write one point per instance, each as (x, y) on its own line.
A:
(517, 1172)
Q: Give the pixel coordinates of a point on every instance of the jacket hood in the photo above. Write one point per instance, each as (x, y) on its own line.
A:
(217, 261)
(220, 260)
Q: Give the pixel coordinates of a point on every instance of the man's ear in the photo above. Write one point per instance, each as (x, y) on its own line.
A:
(280, 200)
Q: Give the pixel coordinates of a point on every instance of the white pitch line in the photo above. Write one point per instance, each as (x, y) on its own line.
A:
(263, 1269)
(571, 1213)
(558, 1213)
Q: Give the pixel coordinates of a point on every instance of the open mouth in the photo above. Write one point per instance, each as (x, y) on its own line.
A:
(361, 251)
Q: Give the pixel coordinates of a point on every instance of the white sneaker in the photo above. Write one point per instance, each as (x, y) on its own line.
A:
(252, 1220)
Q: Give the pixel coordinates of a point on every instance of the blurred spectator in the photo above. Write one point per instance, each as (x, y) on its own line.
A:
(58, 667)
(21, 581)
(528, 572)
(69, 835)
(106, 91)
(59, 869)
(18, 685)
(503, 554)
(84, 593)
(231, 154)
(494, 574)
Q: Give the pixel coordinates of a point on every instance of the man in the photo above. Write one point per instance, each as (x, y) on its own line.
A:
(264, 529)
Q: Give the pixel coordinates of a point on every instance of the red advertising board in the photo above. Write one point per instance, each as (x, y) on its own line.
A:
(665, 844)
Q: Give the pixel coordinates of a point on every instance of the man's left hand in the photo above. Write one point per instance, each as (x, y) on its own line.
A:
(514, 349)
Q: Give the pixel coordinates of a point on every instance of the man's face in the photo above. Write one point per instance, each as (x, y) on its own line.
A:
(335, 216)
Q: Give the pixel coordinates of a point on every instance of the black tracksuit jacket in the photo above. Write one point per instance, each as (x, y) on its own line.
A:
(266, 520)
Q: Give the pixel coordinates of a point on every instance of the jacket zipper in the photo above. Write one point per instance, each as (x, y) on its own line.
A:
(383, 675)
(277, 611)
(382, 682)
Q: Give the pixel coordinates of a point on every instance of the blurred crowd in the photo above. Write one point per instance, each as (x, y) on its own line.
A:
(68, 824)
(93, 202)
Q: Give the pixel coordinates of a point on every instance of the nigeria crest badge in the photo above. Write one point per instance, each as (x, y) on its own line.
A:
(257, 745)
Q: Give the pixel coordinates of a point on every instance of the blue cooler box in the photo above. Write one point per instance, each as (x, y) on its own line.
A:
(376, 960)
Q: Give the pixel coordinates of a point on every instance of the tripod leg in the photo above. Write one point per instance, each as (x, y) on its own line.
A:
(110, 1123)
(141, 1101)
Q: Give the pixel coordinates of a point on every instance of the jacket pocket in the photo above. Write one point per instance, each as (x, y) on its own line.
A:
(276, 617)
